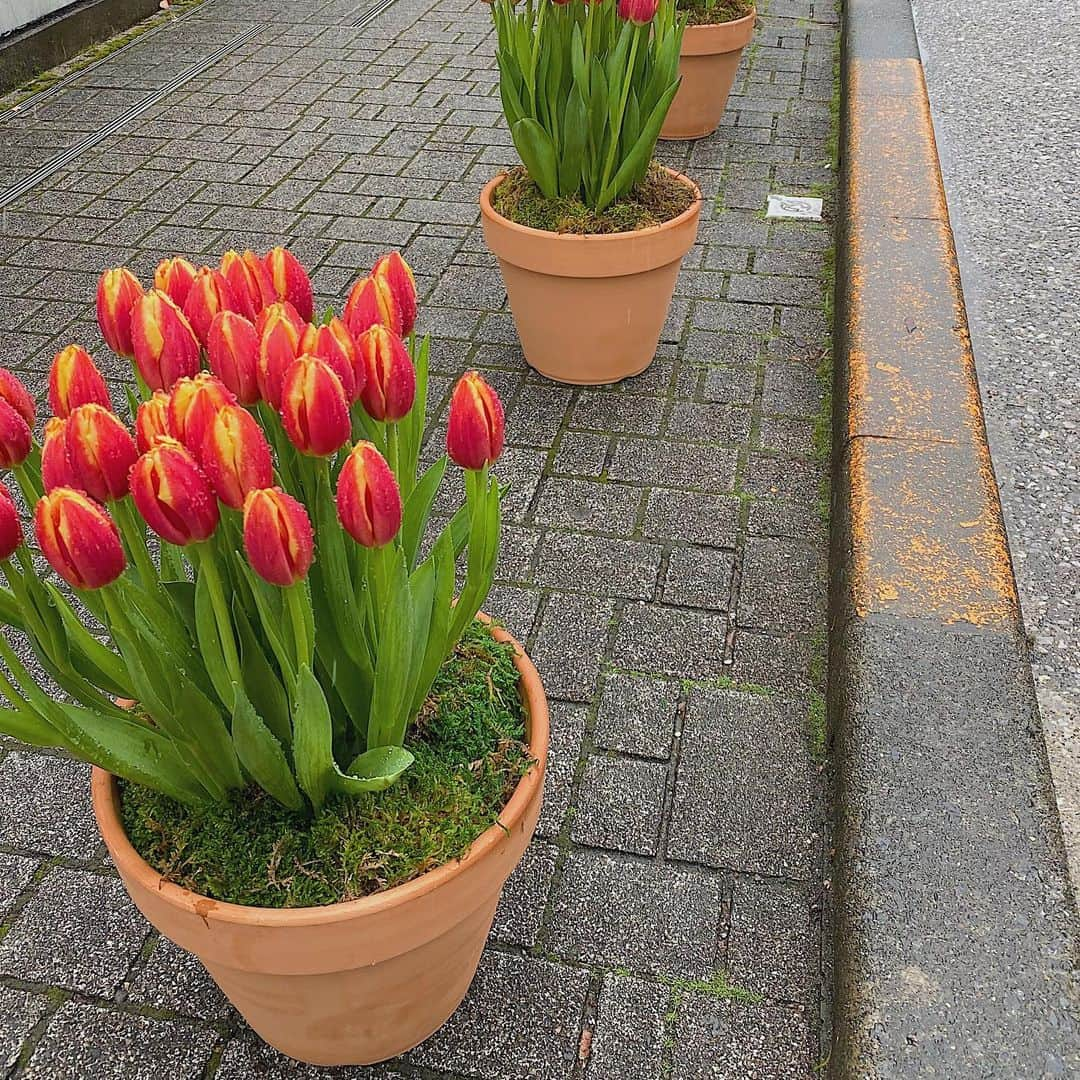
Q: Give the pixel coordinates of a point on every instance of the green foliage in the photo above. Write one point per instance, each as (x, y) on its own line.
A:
(585, 93)
(468, 744)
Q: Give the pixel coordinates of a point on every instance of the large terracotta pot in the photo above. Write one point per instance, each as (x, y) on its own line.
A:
(357, 982)
(708, 62)
(589, 309)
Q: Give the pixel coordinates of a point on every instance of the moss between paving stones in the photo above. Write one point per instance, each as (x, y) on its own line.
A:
(658, 198)
(470, 753)
(705, 13)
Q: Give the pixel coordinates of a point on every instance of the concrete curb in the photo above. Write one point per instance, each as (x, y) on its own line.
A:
(58, 38)
(956, 926)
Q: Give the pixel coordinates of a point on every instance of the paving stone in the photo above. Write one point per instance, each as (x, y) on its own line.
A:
(567, 732)
(524, 897)
(710, 423)
(515, 608)
(704, 519)
(699, 577)
(88, 1041)
(634, 414)
(792, 479)
(782, 586)
(628, 1040)
(79, 931)
(669, 464)
(15, 872)
(537, 414)
(787, 435)
(743, 791)
(730, 384)
(249, 1058)
(770, 948)
(19, 1013)
(45, 805)
(740, 318)
(521, 1017)
(619, 805)
(598, 565)
(792, 389)
(767, 289)
(780, 663)
(637, 715)
(717, 1040)
(671, 641)
(583, 504)
(174, 979)
(642, 916)
(570, 643)
(581, 454)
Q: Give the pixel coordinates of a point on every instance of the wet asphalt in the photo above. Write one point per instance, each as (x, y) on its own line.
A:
(1004, 84)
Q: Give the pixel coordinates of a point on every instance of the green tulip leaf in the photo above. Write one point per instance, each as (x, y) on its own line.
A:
(534, 146)
(261, 754)
(313, 739)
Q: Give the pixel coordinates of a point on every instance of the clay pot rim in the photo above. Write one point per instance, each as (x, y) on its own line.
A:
(488, 210)
(106, 801)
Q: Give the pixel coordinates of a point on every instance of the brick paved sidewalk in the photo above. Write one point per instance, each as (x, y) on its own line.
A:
(664, 554)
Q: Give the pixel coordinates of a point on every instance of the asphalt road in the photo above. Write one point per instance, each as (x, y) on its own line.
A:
(1004, 82)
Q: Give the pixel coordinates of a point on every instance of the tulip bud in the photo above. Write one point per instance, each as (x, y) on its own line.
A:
(476, 430)
(639, 12)
(290, 281)
(389, 383)
(314, 408)
(174, 277)
(235, 456)
(334, 344)
(79, 539)
(152, 421)
(368, 499)
(15, 437)
(278, 348)
(279, 309)
(17, 396)
(56, 468)
(251, 286)
(101, 452)
(193, 404)
(117, 292)
(396, 276)
(174, 495)
(11, 533)
(363, 308)
(232, 347)
(166, 348)
(74, 380)
(210, 293)
(277, 537)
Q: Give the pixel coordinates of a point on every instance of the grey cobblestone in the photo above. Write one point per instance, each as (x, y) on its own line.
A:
(633, 512)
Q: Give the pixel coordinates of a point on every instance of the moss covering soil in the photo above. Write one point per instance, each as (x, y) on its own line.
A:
(658, 198)
(470, 753)
(706, 13)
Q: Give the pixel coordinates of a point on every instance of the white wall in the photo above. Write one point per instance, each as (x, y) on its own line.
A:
(16, 13)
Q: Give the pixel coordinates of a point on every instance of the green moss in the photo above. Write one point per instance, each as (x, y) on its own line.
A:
(816, 724)
(704, 12)
(468, 743)
(92, 54)
(658, 198)
(717, 986)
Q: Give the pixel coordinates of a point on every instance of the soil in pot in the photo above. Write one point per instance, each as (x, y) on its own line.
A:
(658, 198)
(590, 292)
(708, 63)
(470, 753)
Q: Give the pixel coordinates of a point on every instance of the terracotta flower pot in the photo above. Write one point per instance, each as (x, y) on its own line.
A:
(708, 62)
(589, 309)
(357, 982)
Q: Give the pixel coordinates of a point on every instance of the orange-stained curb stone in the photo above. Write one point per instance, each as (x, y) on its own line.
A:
(926, 530)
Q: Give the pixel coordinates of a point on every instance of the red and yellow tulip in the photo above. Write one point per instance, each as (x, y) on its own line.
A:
(11, 532)
(117, 292)
(174, 277)
(174, 495)
(368, 498)
(166, 348)
(152, 421)
(398, 286)
(333, 343)
(193, 404)
(101, 452)
(17, 396)
(278, 538)
(74, 380)
(249, 282)
(314, 408)
(290, 281)
(389, 384)
(56, 468)
(79, 539)
(210, 293)
(236, 456)
(476, 429)
(232, 350)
